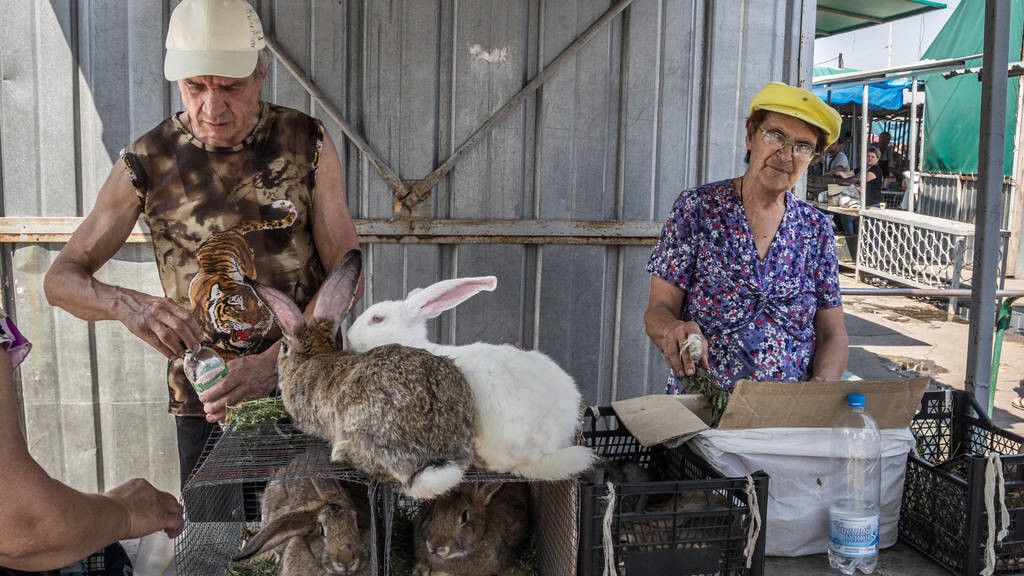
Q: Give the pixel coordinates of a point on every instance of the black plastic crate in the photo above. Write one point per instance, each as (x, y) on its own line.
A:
(943, 510)
(687, 521)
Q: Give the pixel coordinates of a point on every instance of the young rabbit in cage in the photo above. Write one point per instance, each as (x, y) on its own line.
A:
(394, 413)
(527, 406)
(317, 521)
(477, 530)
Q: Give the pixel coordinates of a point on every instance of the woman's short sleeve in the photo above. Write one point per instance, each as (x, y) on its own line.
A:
(673, 256)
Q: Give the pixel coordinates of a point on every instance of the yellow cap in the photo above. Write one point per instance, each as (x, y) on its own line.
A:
(799, 103)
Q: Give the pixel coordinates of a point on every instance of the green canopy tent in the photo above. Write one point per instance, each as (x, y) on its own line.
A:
(838, 16)
(952, 116)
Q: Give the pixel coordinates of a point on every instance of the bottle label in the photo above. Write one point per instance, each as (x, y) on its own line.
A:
(853, 537)
(209, 374)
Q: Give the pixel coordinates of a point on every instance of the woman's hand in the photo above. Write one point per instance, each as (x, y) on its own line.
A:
(675, 350)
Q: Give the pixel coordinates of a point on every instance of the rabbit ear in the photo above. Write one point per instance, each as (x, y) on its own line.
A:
(337, 293)
(326, 489)
(447, 294)
(285, 311)
(279, 530)
(484, 492)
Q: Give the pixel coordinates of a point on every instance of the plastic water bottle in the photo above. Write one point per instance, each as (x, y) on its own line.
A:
(155, 555)
(856, 483)
(204, 368)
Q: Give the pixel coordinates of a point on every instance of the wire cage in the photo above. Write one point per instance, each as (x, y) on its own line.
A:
(943, 512)
(222, 499)
(682, 518)
(673, 514)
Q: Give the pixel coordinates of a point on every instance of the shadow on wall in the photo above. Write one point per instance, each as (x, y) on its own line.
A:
(119, 88)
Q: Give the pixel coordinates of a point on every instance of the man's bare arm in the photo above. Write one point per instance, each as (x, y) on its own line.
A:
(70, 283)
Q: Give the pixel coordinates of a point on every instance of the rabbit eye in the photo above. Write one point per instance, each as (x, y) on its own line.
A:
(376, 319)
(465, 516)
(321, 528)
(284, 346)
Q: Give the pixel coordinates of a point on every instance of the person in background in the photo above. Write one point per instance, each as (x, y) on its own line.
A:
(748, 267)
(245, 187)
(885, 153)
(45, 524)
(834, 160)
(875, 178)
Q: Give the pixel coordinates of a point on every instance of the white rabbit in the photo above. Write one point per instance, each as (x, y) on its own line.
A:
(527, 406)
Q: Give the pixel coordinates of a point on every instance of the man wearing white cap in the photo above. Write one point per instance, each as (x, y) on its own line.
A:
(232, 187)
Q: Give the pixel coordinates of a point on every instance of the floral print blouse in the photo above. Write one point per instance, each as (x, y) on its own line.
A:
(12, 340)
(757, 315)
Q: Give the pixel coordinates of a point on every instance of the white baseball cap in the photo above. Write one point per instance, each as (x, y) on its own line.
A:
(212, 37)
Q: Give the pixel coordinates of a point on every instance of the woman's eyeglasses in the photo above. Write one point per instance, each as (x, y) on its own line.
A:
(777, 141)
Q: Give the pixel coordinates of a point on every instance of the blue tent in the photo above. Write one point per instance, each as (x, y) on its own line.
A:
(885, 95)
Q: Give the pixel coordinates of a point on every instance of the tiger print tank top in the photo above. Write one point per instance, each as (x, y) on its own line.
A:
(219, 215)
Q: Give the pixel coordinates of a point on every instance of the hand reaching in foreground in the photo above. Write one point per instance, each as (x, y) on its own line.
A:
(149, 510)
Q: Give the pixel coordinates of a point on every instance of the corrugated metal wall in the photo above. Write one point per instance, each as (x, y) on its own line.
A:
(955, 197)
(652, 105)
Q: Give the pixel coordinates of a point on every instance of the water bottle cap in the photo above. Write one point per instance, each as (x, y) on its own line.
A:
(856, 400)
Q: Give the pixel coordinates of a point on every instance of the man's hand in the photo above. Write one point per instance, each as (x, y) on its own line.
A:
(149, 510)
(161, 323)
(673, 347)
(249, 377)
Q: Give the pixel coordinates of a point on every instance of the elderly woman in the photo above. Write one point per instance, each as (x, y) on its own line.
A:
(43, 523)
(749, 267)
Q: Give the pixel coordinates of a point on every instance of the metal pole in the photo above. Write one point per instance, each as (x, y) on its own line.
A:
(864, 123)
(988, 216)
(912, 186)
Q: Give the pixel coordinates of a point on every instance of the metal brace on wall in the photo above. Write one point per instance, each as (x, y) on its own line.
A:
(409, 193)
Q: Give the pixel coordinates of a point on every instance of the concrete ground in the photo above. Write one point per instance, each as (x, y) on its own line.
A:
(894, 337)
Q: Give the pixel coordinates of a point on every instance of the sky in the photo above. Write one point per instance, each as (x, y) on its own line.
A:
(868, 48)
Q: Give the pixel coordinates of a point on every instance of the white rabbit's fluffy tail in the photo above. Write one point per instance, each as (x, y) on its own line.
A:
(433, 481)
(558, 465)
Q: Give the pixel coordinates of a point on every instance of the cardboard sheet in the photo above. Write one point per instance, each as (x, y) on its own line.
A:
(892, 403)
(660, 418)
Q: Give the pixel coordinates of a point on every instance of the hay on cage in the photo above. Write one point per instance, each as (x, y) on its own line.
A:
(256, 414)
(266, 566)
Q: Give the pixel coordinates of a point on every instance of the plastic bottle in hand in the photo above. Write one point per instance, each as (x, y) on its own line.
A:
(855, 483)
(155, 555)
(204, 368)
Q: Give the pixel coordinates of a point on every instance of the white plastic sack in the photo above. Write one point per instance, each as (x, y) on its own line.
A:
(798, 463)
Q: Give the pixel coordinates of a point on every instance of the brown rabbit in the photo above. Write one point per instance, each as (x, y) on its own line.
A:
(477, 530)
(317, 521)
(395, 413)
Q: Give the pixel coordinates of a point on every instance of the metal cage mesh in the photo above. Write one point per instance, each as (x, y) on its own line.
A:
(222, 498)
(691, 510)
(943, 509)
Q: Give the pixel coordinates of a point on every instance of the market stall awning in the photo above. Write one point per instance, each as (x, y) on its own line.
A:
(882, 95)
(838, 16)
